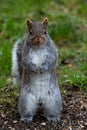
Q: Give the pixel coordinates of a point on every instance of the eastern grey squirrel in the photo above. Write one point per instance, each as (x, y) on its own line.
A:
(34, 60)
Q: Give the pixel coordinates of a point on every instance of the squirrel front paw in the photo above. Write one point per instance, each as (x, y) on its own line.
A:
(44, 67)
(33, 67)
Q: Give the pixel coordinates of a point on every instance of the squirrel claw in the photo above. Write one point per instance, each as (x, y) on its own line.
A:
(53, 119)
(26, 119)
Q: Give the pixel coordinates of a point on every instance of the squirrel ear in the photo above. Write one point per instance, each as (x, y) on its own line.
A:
(45, 21)
(29, 22)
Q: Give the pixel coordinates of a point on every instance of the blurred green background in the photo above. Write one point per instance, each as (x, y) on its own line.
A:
(67, 27)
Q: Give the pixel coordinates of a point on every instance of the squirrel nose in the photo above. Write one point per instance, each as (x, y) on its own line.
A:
(38, 39)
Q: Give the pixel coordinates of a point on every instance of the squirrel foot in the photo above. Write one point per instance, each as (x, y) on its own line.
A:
(53, 119)
(27, 119)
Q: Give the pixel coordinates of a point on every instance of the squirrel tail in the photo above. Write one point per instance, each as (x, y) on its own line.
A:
(14, 69)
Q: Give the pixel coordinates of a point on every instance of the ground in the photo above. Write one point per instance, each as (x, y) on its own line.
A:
(73, 115)
(67, 26)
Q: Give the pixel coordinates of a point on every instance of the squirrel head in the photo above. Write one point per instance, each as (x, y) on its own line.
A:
(38, 33)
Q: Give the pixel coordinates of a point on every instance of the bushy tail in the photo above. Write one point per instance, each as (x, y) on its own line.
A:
(15, 70)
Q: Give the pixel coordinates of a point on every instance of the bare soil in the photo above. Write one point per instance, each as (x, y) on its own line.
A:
(74, 115)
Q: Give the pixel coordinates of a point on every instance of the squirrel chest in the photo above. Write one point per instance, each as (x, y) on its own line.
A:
(37, 56)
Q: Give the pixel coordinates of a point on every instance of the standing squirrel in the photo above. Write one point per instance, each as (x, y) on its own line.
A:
(34, 67)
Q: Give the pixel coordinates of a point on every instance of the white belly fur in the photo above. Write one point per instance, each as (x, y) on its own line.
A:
(37, 56)
(40, 84)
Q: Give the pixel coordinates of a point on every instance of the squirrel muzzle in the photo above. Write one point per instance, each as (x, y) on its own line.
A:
(37, 41)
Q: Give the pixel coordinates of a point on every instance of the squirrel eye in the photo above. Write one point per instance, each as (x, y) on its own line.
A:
(45, 32)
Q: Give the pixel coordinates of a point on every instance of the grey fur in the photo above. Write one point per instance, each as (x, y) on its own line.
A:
(36, 72)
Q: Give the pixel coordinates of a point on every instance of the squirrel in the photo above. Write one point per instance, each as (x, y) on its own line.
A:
(34, 61)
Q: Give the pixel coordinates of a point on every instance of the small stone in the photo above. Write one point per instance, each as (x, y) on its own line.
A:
(43, 123)
(11, 128)
(3, 115)
(1, 106)
(5, 122)
(14, 121)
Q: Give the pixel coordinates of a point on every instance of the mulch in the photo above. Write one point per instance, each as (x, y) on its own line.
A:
(73, 117)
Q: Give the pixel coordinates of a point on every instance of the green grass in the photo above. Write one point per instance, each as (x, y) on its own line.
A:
(67, 27)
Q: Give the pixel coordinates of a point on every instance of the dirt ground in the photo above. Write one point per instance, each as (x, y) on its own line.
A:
(74, 115)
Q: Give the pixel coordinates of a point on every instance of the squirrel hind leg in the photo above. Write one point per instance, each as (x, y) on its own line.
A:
(52, 107)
